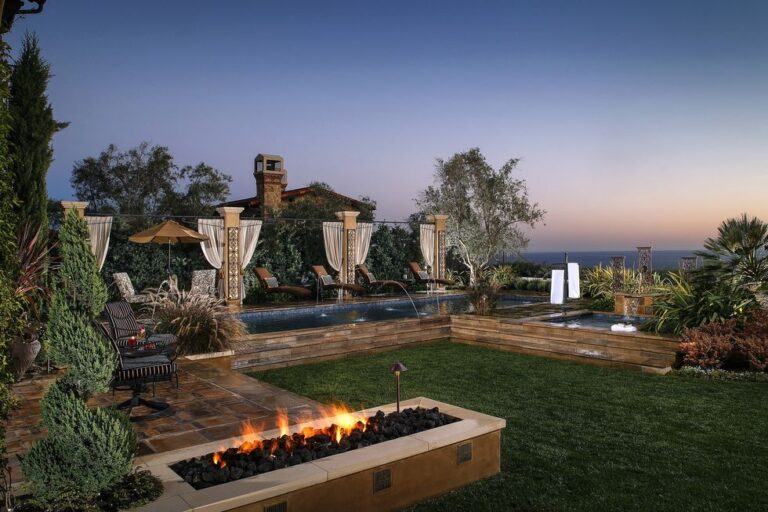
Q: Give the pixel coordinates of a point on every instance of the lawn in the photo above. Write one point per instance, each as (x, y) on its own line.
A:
(578, 437)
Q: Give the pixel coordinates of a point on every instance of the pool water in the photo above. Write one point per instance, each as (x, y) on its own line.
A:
(339, 314)
(594, 321)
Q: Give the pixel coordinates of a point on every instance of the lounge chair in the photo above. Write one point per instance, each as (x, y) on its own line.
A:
(203, 282)
(134, 372)
(326, 281)
(270, 284)
(125, 287)
(422, 277)
(124, 326)
(371, 281)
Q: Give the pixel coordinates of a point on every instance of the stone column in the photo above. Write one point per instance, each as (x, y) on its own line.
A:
(645, 265)
(348, 245)
(617, 265)
(78, 206)
(231, 273)
(438, 265)
(687, 264)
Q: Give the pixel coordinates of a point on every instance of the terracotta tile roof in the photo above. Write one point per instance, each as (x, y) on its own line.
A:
(290, 195)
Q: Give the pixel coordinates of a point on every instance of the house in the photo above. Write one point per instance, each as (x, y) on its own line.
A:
(272, 193)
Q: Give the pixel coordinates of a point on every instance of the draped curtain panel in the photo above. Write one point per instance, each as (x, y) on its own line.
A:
(363, 241)
(427, 242)
(213, 248)
(99, 230)
(332, 235)
(249, 237)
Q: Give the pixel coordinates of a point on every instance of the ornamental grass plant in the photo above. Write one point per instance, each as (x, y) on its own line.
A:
(202, 323)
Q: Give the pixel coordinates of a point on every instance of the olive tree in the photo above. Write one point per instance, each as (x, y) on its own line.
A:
(486, 207)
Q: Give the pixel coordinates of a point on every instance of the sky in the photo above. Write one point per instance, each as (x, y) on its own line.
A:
(636, 123)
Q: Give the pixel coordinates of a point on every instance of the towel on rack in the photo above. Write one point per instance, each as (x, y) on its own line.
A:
(574, 291)
(558, 281)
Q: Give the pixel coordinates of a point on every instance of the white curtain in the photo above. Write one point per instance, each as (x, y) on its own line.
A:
(249, 237)
(363, 242)
(332, 235)
(213, 248)
(99, 229)
(427, 242)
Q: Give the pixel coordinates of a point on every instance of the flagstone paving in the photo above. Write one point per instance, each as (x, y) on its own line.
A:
(212, 402)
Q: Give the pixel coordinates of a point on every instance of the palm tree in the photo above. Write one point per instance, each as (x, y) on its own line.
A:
(738, 254)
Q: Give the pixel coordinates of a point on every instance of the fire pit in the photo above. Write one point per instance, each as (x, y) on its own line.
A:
(376, 459)
(255, 456)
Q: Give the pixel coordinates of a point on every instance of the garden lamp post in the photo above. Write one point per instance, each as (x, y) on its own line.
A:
(398, 367)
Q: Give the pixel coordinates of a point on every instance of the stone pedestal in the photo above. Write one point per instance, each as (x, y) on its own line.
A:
(438, 265)
(231, 273)
(348, 245)
(617, 266)
(643, 302)
(688, 264)
(78, 206)
(645, 265)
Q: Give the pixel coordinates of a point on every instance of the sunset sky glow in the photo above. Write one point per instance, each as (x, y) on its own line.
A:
(636, 122)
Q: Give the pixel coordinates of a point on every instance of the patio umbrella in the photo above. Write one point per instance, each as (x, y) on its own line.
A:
(168, 232)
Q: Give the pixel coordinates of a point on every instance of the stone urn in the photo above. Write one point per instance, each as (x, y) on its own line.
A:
(23, 354)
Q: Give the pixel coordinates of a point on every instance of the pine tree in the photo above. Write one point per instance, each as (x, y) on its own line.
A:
(31, 129)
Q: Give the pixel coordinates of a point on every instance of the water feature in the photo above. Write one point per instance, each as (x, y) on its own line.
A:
(592, 321)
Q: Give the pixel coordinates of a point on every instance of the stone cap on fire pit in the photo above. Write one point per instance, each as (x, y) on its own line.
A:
(179, 496)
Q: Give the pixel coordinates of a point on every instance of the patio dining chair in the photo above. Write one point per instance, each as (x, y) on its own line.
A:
(134, 372)
(124, 326)
(126, 289)
(203, 282)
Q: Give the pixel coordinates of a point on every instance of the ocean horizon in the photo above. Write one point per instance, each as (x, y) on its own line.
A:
(660, 260)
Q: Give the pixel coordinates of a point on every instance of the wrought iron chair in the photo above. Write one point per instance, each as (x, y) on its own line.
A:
(124, 327)
(135, 371)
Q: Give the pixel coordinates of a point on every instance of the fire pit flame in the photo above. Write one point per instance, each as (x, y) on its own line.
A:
(344, 423)
(338, 430)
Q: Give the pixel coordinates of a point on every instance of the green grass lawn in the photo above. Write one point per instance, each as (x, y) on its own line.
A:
(578, 437)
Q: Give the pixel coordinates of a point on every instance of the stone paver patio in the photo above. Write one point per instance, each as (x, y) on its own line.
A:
(213, 402)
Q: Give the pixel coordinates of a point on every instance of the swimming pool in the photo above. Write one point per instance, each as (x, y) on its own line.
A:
(339, 314)
(600, 321)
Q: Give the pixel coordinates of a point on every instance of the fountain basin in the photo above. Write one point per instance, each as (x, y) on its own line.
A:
(385, 476)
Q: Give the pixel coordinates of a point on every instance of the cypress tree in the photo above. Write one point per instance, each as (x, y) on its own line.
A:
(32, 127)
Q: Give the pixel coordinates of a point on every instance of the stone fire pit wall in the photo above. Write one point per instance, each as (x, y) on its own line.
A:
(385, 476)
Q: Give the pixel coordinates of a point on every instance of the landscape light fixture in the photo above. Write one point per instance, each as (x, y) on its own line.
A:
(398, 367)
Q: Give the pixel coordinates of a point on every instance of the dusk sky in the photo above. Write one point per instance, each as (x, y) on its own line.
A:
(636, 122)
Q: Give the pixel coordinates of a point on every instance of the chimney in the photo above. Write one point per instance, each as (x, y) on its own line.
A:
(271, 179)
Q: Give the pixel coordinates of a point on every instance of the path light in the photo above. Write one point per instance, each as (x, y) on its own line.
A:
(398, 367)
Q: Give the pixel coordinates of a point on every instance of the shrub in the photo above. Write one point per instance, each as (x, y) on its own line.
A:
(483, 296)
(133, 490)
(73, 341)
(503, 276)
(86, 451)
(602, 304)
(79, 273)
(202, 323)
(728, 345)
(683, 304)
